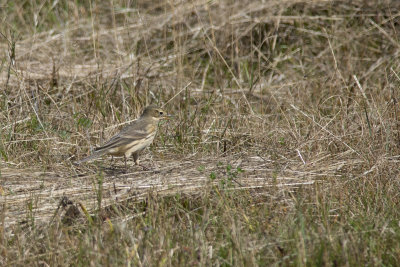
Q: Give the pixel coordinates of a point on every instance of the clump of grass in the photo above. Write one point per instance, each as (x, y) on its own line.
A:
(219, 226)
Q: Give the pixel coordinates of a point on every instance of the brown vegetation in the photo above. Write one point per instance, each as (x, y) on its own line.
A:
(284, 147)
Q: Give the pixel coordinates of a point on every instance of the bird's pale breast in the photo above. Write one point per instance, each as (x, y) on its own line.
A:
(139, 146)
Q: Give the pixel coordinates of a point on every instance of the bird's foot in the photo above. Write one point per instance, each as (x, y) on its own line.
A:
(144, 168)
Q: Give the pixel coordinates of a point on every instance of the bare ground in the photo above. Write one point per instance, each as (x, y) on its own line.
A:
(44, 190)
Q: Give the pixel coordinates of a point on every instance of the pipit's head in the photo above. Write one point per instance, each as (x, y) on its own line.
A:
(154, 113)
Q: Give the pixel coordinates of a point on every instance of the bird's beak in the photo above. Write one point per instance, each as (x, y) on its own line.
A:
(168, 117)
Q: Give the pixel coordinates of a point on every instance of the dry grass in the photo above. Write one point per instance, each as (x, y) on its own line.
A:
(284, 148)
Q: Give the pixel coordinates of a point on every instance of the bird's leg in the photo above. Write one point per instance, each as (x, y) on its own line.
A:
(136, 159)
(125, 161)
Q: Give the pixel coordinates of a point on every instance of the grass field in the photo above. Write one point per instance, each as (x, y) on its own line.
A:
(283, 149)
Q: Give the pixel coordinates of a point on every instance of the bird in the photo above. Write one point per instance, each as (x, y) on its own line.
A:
(133, 138)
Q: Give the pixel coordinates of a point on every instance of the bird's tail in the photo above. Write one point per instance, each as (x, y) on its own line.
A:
(95, 155)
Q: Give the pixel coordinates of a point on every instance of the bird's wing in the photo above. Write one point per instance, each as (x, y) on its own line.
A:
(131, 133)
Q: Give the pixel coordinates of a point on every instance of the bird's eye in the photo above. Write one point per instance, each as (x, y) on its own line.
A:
(161, 112)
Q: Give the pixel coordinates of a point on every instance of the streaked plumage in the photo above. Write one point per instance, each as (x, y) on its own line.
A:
(133, 138)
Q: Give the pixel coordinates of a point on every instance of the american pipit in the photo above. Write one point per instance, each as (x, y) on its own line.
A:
(132, 139)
